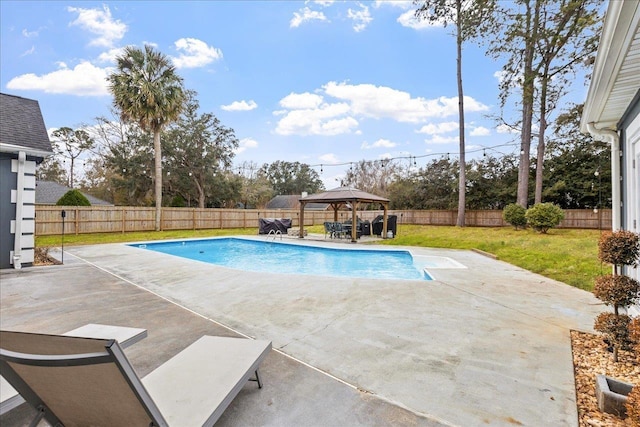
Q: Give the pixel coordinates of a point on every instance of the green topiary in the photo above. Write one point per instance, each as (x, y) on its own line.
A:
(514, 214)
(73, 198)
(543, 216)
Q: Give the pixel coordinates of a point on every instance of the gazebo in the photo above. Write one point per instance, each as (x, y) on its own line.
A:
(345, 196)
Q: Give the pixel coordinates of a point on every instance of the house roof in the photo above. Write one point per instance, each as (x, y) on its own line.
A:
(22, 127)
(283, 202)
(49, 192)
(344, 194)
(293, 202)
(615, 80)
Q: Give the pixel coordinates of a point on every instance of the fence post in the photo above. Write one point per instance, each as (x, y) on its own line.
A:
(76, 220)
(193, 218)
(123, 214)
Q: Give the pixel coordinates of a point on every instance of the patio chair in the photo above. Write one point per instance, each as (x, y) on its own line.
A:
(85, 381)
(339, 230)
(328, 229)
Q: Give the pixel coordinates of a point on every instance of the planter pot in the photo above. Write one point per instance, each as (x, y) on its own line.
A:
(612, 395)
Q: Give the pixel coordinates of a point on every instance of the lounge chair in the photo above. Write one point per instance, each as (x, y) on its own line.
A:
(85, 381)
(126, 336)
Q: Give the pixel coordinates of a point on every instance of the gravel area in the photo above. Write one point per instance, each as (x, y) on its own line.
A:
(590, 357)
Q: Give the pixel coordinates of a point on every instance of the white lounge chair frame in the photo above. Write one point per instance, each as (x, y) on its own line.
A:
(83, 381)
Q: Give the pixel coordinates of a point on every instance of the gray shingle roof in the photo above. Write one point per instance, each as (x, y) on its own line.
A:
(49, 192)
(292, 202)
(21, 123)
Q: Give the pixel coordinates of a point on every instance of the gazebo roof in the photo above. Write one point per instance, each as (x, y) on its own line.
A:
(344, 194)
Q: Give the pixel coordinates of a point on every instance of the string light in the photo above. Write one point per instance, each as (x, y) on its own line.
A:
(415, 158)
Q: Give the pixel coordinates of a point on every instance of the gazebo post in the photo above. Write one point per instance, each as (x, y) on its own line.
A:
(354, 216)
(384, 221)
(301, 233)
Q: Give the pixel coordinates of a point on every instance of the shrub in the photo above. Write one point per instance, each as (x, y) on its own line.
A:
(619, 248)
(616, 290)
(633, 407)
(73, 198)
(514, 214)
(543, 216)
(615, 327)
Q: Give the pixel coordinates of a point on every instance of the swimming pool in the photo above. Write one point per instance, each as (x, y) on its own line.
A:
(287, 258)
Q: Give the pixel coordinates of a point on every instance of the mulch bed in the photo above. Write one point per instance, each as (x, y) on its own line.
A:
(591, 357)
(41, 257)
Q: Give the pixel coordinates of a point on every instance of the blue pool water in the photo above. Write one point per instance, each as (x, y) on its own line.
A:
(274, 257)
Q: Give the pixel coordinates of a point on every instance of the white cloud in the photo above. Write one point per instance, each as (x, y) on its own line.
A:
(195, 53)
(295, 101)
(402, 4)
(438, 139)
(326, 119)
(384, 102)
(438, 128)
(480, 131)
(305, 14)
(110, 55)
(324, 3)
(408, 19)
(29, 51)
(29, 34)
(312, 114)
(101, 23)
(329, 158)
(385, 143)
(246, 143)
(84, 79)
(240, 106)
(361, 18)
(503, 128)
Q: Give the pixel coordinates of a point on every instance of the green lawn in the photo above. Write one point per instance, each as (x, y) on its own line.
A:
(569, 256)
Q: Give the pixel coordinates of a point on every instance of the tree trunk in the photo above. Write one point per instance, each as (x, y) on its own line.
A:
(462, 182)
(527, 103)
(201, 198)
(541, 149)
(71, 173)
(157, 148)
(544, 86)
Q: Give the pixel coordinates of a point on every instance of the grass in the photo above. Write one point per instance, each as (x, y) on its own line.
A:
(566, 255)
(569, 256)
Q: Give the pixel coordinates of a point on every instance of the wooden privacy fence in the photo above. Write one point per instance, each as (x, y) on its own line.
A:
(121, 219)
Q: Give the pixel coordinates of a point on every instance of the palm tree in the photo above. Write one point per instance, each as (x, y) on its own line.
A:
(147, 90)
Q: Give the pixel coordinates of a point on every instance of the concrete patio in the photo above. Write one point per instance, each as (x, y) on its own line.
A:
(483, 345)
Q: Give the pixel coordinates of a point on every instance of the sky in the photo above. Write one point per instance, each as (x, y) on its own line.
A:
(326, 83)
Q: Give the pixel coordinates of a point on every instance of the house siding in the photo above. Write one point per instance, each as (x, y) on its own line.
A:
(630, 149)
(8, 181)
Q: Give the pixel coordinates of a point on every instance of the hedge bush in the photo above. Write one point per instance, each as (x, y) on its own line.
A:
(543, 216)
(73, 198)
(514, 214)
